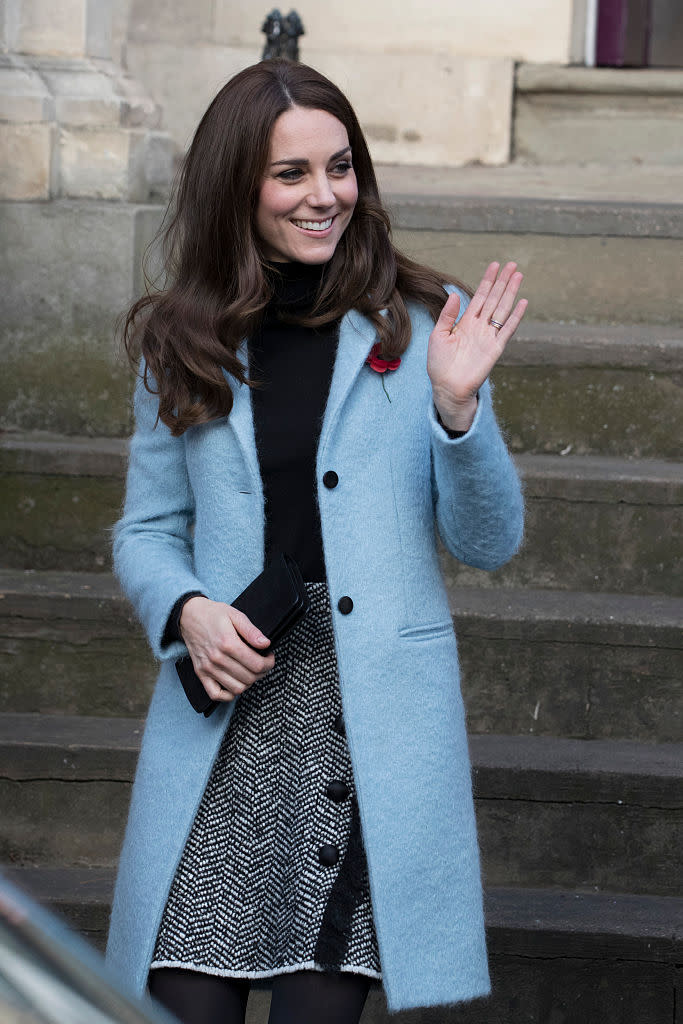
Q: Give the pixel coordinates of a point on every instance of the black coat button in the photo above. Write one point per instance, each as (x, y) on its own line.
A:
(330, 478)
(337, 791)
(339, 725)
(345, 604)
(328, 855)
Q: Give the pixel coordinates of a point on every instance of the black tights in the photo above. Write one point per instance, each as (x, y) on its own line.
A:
(302, 997)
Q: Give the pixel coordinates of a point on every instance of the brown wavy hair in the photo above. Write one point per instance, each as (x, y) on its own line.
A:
(215, 289)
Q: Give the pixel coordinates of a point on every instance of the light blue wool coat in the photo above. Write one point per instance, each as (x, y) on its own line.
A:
(194, 520)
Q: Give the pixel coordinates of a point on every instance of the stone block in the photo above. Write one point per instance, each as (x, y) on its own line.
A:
(25, 160)
(138, 109)
(161, 156)
(23, 96)
(68, 270)
(466, 119)
(184, 79)
(159, 21)
(99, 25)
(100, 163)
(83, 97)
(46, 27)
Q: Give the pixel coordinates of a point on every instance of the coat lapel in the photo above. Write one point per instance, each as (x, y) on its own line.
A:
(356, 337)
(241, 421)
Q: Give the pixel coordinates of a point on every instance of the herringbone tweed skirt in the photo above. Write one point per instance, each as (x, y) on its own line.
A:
(273, 877)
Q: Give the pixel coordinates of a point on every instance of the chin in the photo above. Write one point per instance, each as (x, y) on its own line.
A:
(317, 257)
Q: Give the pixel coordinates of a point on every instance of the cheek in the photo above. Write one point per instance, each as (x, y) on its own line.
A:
(273, 202)
(350, 194)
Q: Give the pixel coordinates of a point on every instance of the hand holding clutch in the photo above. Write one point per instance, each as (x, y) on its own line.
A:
(273, 602)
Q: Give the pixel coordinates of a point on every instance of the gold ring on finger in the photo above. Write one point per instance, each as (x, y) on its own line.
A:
(495, 323)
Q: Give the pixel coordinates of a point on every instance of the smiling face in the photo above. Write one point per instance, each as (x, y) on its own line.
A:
(309, 188)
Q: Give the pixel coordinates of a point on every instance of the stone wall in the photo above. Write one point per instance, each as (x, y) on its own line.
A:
(432, 84)
(83, 163)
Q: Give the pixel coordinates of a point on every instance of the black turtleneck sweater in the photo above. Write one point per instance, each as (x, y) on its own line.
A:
(295, 366)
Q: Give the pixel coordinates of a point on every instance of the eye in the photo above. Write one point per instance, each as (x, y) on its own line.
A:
(293, 174)
(342, 167)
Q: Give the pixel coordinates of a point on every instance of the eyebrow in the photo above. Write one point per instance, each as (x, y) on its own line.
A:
(299, 162)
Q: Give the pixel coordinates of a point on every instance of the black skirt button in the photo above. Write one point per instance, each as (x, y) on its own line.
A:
(345, 604)
(337, 791)
(328, 855)
(330, 478)
(339, 725)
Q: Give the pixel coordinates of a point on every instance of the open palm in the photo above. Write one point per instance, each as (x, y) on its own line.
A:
(460, 358)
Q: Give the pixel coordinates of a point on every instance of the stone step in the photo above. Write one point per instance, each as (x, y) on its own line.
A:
(62, 496)
(583, 958)
(571, 664)
(596, 245)
(594, 522)
(599, 814)
(588, 666)
(61, 631)
(572, 115)
(590, 390)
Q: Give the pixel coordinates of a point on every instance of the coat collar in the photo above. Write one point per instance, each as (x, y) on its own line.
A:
(356, 337)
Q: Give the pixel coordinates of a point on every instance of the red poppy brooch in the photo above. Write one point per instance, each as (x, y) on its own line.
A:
(379, 364)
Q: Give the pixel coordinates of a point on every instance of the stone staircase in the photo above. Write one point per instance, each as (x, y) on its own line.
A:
(571, 654)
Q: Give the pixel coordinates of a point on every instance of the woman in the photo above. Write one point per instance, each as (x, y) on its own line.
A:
(305, 387)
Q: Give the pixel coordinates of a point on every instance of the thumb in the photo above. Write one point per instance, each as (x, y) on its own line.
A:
(246, 629)
(448, 314)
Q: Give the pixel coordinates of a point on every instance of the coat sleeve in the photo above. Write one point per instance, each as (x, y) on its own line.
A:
(153, 550)
(477, 493)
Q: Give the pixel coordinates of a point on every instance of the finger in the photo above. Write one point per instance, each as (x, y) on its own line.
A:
(215, 691)
(485, 286)
(449, 314)
(246, 628)
(512, 322)
(507, 299)
(242, 663)
(497, 292)
(235, 679)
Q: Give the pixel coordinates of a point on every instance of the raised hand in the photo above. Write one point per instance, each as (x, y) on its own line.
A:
(461, 356)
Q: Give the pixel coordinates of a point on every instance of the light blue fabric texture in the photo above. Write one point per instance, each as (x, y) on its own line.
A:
(193, 520)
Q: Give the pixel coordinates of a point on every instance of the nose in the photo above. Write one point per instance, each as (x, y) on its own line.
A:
(321, 194)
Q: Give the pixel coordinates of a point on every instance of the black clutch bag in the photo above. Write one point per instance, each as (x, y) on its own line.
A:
(274, 602)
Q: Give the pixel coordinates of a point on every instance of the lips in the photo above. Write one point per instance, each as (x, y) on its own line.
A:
(313, 225)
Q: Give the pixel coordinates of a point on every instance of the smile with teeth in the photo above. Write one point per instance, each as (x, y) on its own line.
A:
(313, 225)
